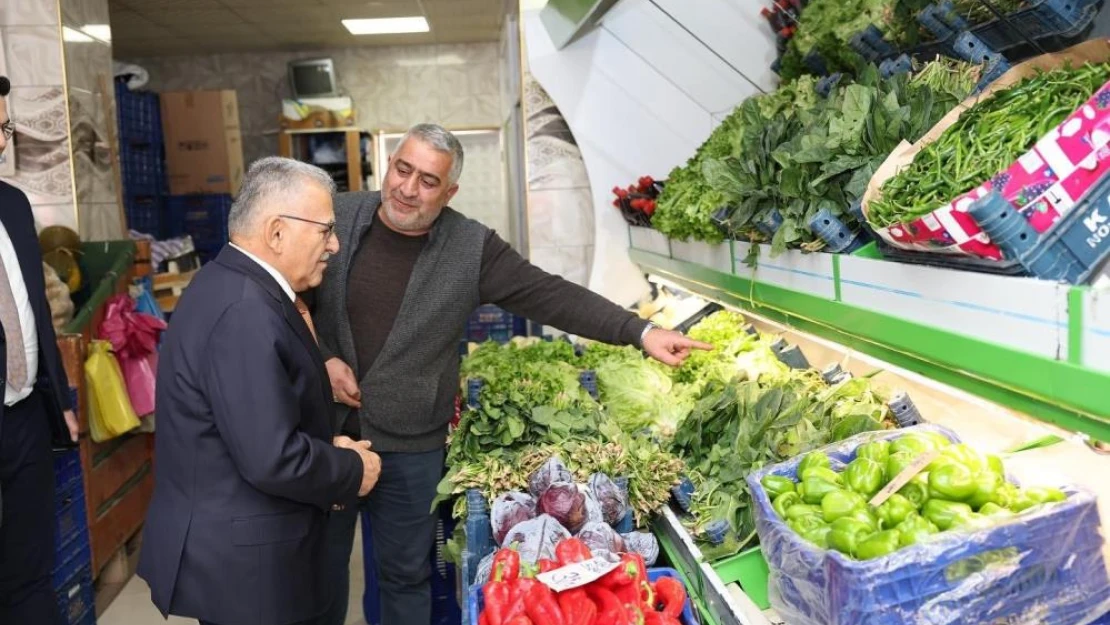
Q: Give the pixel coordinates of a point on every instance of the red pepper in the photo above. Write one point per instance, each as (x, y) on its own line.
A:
(610, 611)
(542, 607)
(577, 607)
(671, 594)
(518, 602)
(547, 565)
(483, 619)
(572, 550)
(506, 566)
(658, 618)
(520, 620)
(498, 596)
(626, 574)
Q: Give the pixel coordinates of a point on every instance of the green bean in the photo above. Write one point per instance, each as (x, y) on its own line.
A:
(985, 140)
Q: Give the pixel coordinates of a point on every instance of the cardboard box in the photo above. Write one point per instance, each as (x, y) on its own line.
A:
(204, 148)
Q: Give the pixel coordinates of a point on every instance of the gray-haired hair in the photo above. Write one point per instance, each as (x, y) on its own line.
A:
(440, 139)
(269, 178)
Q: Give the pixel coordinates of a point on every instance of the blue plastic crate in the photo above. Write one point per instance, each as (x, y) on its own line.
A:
(138, 115)
(477, 601)
(1045, 566)
(70, 519)
(201, 216)
(146, 214)
(70, 559)
(76, 599)
(490, 323)
(142, 169)
(1039, 20)
(67, 476)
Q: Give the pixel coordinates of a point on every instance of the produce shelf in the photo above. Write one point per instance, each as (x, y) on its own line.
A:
(1038, 347)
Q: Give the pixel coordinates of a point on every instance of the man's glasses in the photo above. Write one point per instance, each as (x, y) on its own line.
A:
(329, 227)
(8, 128)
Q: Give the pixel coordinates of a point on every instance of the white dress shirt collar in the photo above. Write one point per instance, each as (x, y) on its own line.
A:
(269, 269)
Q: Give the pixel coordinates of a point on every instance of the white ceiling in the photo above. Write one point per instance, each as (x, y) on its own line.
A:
(166, 27)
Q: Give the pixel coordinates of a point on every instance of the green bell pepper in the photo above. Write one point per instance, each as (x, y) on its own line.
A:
(966, 455)
(878, 451)
(818, 536)
(1005, 495)
(866, 515)
(916, 444)
(823, 473)
(952, 482)
(806, 523)
(1045, 495)
(1020, 501)
(894, 510)
(841, 503)
(943, 513)
(994, 463)
(940, 440)
(897, 462)
(993, 509)
(776, 485)
(800, 510)
(972, 521)
(813, 459)
(783, 502)
(915, 529)
(816, 489)
(878, 545)
(916, 490)
(987, 483)
(864, 476)
(845, 532)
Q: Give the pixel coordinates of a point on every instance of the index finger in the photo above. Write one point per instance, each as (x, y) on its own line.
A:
(688, 342)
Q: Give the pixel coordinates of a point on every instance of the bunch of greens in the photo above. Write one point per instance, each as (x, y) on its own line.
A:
(685, 208)
(529, 395)
(724, 330)
(739, 426)
(985, 141)
(824, 157)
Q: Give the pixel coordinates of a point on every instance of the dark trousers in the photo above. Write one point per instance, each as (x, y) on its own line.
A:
(27, 524)
(402, 529)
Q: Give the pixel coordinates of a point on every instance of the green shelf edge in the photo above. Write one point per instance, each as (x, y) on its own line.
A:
(1063, 393)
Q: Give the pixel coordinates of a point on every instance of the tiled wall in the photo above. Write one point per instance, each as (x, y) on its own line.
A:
(393, 87)
(92, 120)
(560, 209)
(31, 56)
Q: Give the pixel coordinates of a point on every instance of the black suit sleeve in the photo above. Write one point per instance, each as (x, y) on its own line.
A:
(258, 414)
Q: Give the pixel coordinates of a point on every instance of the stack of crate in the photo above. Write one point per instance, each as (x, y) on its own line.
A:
(73, 576)
(142, 160)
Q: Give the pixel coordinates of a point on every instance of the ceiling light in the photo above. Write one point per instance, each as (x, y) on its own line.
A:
(102, 32)
(387, 26)
(74, 36)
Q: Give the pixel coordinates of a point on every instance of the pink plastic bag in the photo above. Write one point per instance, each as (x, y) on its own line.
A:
(134, 339)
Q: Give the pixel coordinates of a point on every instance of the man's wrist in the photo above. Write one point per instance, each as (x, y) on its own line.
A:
(643, 335)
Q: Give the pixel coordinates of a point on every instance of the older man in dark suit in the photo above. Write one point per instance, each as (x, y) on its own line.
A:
(247, 470)
(35, 416)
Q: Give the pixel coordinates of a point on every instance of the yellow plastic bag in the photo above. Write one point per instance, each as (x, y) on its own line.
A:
(110, 410)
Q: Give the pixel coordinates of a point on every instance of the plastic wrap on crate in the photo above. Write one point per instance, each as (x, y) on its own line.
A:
(1044, 566)
(1044, 185)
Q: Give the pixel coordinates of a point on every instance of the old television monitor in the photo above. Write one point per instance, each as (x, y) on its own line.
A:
(312, 78)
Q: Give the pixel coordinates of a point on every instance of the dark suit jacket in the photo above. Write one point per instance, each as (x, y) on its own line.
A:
(244, 467)
(51, 381)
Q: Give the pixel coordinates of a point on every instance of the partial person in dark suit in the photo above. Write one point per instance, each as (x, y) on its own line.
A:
(36, 413)
(246, 468)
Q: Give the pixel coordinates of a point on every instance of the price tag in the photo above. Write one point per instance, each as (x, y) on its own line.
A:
(904, 477)
(579, 573)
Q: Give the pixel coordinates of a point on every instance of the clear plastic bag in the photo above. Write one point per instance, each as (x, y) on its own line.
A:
(508, 510)
(537, 538)
(614, 503)
(643, 543)
(1042, 567)
(551, 472)
(601, 537)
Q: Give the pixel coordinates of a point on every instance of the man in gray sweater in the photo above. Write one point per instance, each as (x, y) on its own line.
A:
(391, 311)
